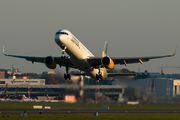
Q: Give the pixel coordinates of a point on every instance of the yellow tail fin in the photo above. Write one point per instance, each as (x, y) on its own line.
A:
(104, 52)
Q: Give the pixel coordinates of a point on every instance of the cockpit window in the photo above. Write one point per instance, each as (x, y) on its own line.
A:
(58, 33)
(64, 33)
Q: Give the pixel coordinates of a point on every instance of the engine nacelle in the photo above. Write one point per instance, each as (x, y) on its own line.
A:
(50, 62)
(107, 62)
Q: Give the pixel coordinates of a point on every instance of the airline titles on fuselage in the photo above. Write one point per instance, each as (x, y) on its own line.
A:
(75, 41)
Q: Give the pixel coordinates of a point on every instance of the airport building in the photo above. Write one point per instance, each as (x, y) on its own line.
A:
(149, 88)
(65, 89)
(144, 85)
(5, 73)
(136, 88)
(155, 87)
(2, 75)
(22, 82)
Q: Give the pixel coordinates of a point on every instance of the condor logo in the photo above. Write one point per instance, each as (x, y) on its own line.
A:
(13, 82)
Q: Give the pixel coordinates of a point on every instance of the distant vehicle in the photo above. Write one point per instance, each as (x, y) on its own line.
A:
(3, 94)
(23, 97)
(81, 58)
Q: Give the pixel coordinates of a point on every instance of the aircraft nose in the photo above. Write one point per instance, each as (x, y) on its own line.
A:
(62, 38)
(56, 38)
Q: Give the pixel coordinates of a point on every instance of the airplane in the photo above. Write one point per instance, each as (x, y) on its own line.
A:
(3, 94)
(81, 58)
(47, 97)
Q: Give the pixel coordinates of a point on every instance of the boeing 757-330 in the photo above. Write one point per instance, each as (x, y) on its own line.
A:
(81, 58)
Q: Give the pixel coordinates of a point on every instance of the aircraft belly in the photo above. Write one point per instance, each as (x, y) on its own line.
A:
(78, 56)
(94, 72)
(80, 63)
(85, 66)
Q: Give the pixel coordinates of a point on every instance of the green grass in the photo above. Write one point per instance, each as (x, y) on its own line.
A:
(29, 105)
(89, 116)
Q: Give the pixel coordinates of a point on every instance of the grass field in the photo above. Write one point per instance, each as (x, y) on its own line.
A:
(29, 105)
(89, 116)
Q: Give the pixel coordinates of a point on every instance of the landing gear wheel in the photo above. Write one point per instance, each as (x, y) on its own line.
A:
(67, 76)
(63, 57)
(98, 77)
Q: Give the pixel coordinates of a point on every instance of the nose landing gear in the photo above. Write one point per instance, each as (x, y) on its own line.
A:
(67, 75)
(63, 52)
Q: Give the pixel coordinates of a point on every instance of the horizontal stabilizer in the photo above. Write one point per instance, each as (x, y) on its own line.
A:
(79, 74)
(121, 74)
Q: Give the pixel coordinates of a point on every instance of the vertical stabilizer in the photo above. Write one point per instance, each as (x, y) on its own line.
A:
(47, 97)
(5, 88)
(104, 52)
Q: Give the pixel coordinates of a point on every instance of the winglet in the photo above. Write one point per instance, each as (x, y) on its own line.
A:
(174, 51)
(3, 49)
(3, 52)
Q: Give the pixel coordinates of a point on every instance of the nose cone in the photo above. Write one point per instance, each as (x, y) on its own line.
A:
(62, 38)
(56, 38)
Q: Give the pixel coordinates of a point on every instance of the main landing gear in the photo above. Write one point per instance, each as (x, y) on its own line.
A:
(99, 75)
(67, 75)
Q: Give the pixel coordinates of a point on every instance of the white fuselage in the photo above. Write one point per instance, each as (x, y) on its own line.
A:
(78, 53)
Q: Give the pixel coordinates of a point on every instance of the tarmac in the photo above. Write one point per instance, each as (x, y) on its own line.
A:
(50, 111)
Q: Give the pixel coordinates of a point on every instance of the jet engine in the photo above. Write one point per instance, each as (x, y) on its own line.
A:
(50, 62)
(107, 62)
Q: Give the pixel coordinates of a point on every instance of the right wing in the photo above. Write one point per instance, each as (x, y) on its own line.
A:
(96, 61)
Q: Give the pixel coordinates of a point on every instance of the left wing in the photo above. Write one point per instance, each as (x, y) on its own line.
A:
(59, 60)
(96, 61)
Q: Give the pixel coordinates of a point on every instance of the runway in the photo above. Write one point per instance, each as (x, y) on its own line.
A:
(45, 111)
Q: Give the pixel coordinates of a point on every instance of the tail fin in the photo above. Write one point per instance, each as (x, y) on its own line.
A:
(104, 52)
(5, 88)
(47, 97)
